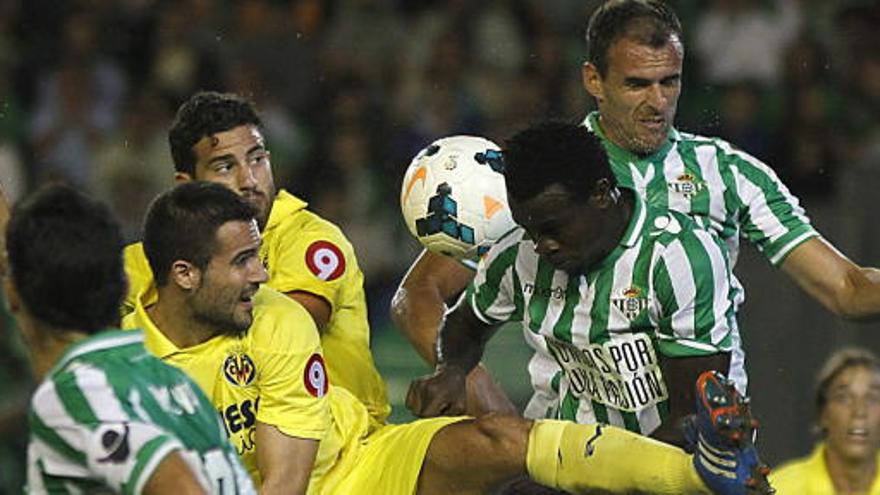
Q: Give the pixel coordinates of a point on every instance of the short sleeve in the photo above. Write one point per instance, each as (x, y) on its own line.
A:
(494, 294)
(311, 256)
(293, 378)
(772, 218)
(80, 430)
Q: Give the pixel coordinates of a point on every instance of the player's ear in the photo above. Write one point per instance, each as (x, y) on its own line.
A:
(604, 194)
(181, 177)
(185, 275)
(592, 80)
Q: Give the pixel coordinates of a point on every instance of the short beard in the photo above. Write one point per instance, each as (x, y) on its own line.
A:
(224, 326)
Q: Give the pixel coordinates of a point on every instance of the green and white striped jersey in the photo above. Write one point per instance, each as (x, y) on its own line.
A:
(665, 290)
(723, 188)
(109, 412)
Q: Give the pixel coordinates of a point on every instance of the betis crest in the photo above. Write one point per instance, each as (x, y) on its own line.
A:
(687, 185)
(631, 302)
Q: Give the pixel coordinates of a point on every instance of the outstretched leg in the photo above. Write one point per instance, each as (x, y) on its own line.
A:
(475, 456)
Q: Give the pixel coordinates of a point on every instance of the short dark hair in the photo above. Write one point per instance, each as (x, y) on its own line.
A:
(554, 153)
(837, 363)
(182, 224)
(65, 258)
(651, 22)
(206, 113)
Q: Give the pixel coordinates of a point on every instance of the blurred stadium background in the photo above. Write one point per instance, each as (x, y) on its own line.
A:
(351, 89)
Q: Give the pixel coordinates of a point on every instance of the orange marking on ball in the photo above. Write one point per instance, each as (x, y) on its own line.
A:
(491, 206)
(421, 173)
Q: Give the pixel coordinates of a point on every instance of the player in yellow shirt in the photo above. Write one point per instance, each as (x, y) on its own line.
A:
(258, 357)
(217, 137)
(847, 460)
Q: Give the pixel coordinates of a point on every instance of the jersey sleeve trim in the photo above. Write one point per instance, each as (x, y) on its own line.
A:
(149, 458)
(801, 236)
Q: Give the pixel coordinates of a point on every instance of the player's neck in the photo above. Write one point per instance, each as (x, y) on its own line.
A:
(850, 477)
(48, 345)
(177, 323)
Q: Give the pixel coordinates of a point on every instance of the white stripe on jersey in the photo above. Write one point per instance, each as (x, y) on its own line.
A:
(707, 158)
(753, 195)
(54, 462)
(99, 393)
(47, 405)
(673, 168)
(682, 279)
(623, 280)
(720, 305)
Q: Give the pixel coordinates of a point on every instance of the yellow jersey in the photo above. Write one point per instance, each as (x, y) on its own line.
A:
(274, 374)
(304, 252)
(809, 476)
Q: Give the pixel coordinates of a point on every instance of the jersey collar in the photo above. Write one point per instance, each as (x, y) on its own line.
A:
(156, 342)
(632, 233)
(285, 204)
(100, 341)
(615, 151)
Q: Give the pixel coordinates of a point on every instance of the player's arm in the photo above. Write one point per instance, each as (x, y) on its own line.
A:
(174, 475)
(285, 462)
(316, 305)
(774, 221)
(681, 374)
(418, 308)
(461, 344)
(844, 288)
(419, 305)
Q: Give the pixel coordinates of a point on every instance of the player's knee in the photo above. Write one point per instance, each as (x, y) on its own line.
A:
(504, 433)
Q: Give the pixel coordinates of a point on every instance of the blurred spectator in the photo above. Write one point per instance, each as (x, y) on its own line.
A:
(845, 460)
(133, 164)
(742, 119)
(77, 104)
(809, 144)
(744, 39)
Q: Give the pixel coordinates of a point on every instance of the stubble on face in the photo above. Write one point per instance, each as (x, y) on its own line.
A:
(639, 93)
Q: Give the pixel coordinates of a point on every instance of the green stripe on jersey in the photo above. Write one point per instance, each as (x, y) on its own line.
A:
(602, 284)
(666, 297)
(702, 276)
(562, 329)
(54, 441)
(74, 400)
(570, 406)
(487, 292)
(540, 295)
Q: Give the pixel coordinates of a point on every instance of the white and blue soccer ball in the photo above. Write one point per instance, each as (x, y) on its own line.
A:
(454, 199)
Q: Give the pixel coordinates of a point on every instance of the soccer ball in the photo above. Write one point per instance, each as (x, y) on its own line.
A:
(453, 197)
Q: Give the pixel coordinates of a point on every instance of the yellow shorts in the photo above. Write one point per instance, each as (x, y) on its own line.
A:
(388, 461)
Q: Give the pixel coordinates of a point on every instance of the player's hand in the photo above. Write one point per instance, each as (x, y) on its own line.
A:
(439, 394)
(484, 395)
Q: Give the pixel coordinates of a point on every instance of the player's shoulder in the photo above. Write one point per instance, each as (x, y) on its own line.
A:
(279, 321)
(294, 215)
(507, 247)
(91, 366)
(798, 474)
(722, 151)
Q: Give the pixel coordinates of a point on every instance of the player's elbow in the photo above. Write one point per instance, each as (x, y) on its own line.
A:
(856, 296)
(399, 306)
